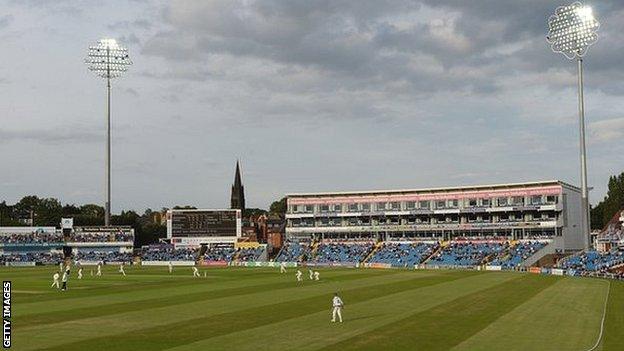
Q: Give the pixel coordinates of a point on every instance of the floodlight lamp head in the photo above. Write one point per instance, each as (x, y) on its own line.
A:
(108, 59)
(572, 29)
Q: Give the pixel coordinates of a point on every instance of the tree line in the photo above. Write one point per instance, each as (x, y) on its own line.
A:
(148, 227)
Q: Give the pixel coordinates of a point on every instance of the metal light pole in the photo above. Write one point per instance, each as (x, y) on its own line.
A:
(572, 29)
(108, 60)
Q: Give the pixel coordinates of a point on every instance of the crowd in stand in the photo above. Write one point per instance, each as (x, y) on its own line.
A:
(466, 253)
(293, 251)
(593, 261)
(168, 253)
(102, 237)
(248, 255)
(335, 252)
(103, 256)
(41, 257)
(31, 238)
(517, 254)
(220, 254)
(403, 254)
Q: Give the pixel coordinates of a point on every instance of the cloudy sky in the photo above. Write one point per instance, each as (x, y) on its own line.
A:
(309, 95)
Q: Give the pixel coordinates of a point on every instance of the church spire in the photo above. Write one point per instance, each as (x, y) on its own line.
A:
(237, 199)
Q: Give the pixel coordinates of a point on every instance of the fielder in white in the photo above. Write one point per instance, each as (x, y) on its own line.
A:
(311, 274)
(99, 269)
(282, 267)
(121, 269)
(64, 279)
(170, 267)
(316, 275)
(79, 273)
(337, 311)
(299, 274)
(55, 281)
(195, 272)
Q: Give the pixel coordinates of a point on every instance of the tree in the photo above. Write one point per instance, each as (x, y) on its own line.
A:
(612, 202)
(278, 207)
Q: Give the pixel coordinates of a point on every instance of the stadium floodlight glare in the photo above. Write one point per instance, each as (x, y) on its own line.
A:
(108, 60)
(572, 29)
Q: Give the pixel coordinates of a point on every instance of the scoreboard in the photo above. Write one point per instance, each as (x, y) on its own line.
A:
(209, 224)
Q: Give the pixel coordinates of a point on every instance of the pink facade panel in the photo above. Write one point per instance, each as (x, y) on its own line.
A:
(442, 195)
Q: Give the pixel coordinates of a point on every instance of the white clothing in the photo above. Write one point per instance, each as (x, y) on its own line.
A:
(316, 275)
(195, 272)
(80, 273)
(282, 268)
(337, 310)
(170, 267)
(311, 273)
(99, 270)
(299, 274)
(55, 277)
(121, 270)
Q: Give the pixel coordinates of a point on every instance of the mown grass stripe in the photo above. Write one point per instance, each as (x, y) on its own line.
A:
(182, 297)
(80, 329)
(314, 331)
(566, 314)
(445, 326)
(170, 335)
(186, 286)
(613, 337)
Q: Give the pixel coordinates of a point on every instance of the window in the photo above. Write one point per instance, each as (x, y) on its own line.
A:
(353, 207)
(518, 200)
(453, 203)
(324, 208)
(410, 205)
(294, 208)
(338, 208)
(366, 207)
(472, 218)
(536, 199)
(441, 204)
(551, 199)
(485, 202)
(504, 217)
(365, 221)
(424, 204)
(381, 206)
(472, 202)
(308, 209)
(502, 201)
(395, 205)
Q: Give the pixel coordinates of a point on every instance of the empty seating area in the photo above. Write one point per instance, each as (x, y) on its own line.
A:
(219, 254)
(293, 251)
(517, 254)
(466, 253)
(168, 253)
(335, 252)
(39, 257)
(593, 261)
(403, 254)
(31, 238)
(103, 256)
(247, 255)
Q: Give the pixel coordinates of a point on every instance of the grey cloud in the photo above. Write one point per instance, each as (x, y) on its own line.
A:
(5, 21)
(70, 134)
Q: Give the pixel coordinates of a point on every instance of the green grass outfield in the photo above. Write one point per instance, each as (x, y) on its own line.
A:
(261, 309)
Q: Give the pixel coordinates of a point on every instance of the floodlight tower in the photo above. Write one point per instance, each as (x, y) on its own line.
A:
(108, 60)
(572, 29)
